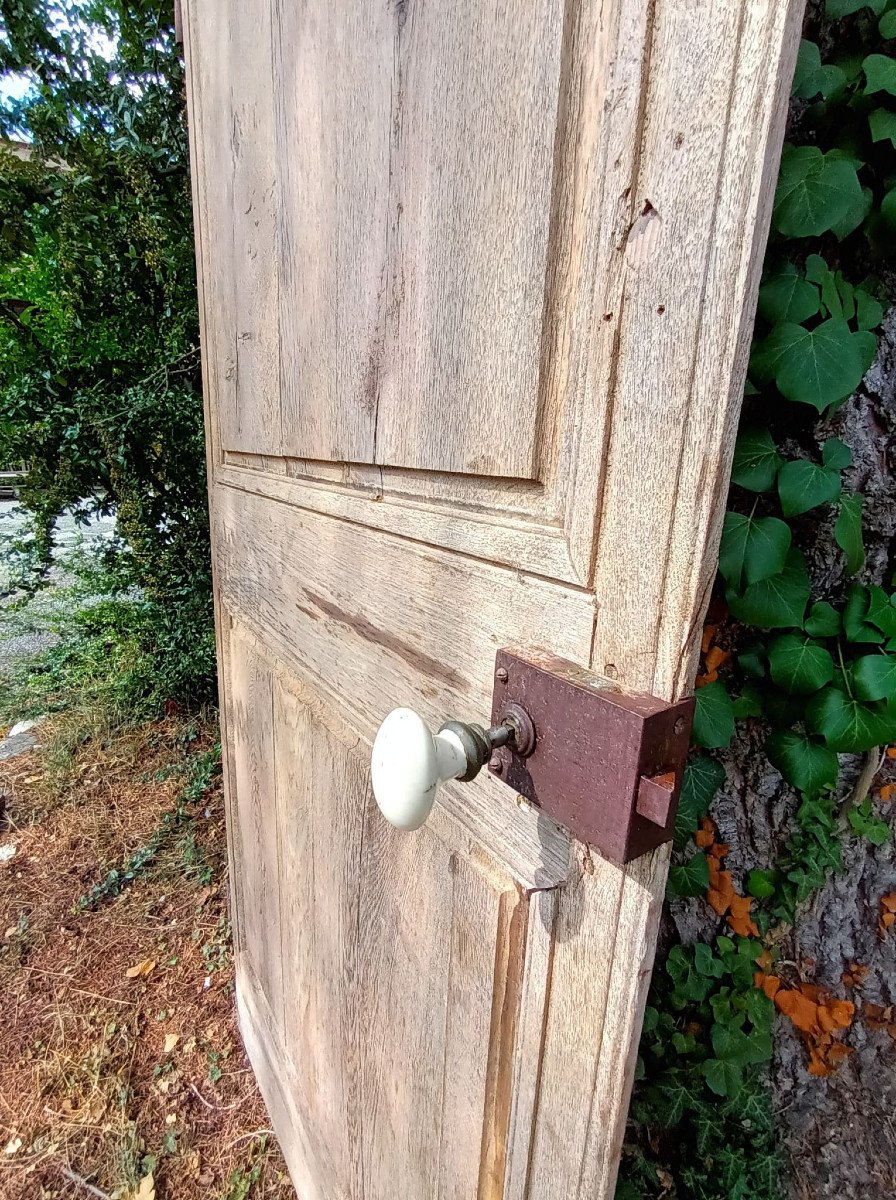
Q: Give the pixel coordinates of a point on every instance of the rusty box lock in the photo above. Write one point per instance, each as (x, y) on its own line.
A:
(604, 764)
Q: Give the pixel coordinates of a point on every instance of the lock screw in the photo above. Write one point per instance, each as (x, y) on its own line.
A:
(501, 674)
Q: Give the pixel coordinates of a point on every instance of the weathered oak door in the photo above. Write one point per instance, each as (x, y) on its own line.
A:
(477, 281)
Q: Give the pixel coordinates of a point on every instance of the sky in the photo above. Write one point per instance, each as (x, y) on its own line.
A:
(15, 86)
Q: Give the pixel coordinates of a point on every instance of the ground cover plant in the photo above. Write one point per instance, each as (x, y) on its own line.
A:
(771, 1012)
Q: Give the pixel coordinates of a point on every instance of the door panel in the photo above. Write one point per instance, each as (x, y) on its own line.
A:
(387, 972)
(476, 288)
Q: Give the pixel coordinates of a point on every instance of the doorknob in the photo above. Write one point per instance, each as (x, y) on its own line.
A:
(606, 765)
(409, 761)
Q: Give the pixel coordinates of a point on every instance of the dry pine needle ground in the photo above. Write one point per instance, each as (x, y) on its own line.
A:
(121, 1069)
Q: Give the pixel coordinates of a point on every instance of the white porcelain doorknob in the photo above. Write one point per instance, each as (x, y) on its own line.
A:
(409, 762)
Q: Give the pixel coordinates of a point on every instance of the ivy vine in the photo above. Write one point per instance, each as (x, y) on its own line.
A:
(811, 664)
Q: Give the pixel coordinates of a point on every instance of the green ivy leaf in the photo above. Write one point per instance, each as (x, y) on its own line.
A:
(887, 26)
(823, 620)
(702, 779)
(690, 878)
(691, 982)
(867, 344)
(748, 703)
(803, 485)
(843, 8)
(869, 313)
(847, 295)
(818, 366)
(811, 78)
(751, 659)
(761, 884)
(707, 963)
(849, 726)
(882, 124)
(880, 74)
(713, 716)
(814, 191)
(799, 665)
(881, 611)
(723, 1077)
(788, 296)
(855, 616)
(818, 271)
(756, 460)
(874, 677)
(836, 454)
(854, 215)
(805, 763)
(848, 532)
(863, 822)
(752, 547)
(775, 603)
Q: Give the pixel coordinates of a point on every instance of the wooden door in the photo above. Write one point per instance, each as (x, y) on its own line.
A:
(477, 281)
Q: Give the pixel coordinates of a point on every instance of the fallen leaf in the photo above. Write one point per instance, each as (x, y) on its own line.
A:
(146, 1189)
(887, 792)
(13, 1146)
(171, 1041)
(140, 969)
(891, 751)
(889, 902)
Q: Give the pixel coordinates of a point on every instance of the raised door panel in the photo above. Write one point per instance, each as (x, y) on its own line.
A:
(395, 981)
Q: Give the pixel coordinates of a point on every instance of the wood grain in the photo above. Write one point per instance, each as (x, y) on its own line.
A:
(477, 291)
(394, 952)
(252, 765)
(254, 221)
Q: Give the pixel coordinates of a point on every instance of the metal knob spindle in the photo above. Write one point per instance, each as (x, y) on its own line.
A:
(409, 762)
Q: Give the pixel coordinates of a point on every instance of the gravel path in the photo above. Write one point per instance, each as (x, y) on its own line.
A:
(17, 644)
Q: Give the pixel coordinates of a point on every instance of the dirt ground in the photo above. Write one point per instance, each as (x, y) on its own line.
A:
(121, 1068)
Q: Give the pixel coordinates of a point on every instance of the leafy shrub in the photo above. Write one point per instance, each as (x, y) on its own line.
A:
(100, 392)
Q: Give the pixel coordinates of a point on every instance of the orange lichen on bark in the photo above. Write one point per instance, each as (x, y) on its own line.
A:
(854, 975)
(721, 895)
(713, 656)
(739, 918)
(818, 1017)
(876, 1016)
(769, 984)
(887, 912)
(705, 835)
